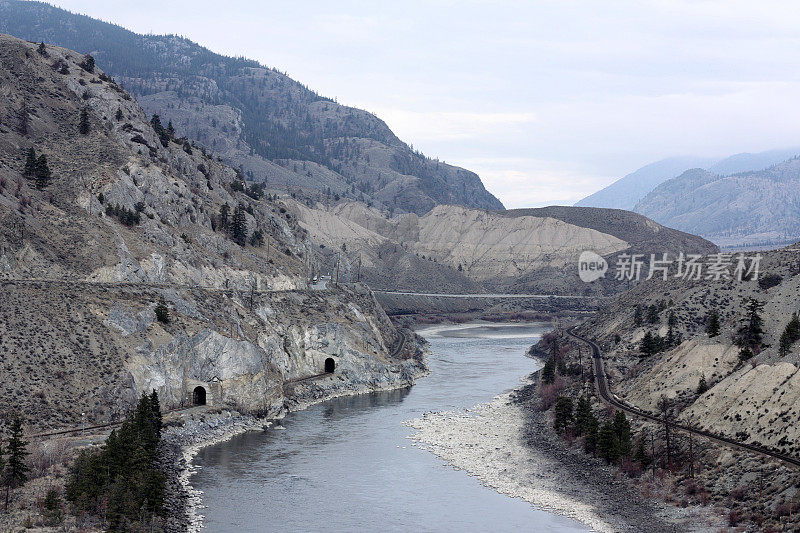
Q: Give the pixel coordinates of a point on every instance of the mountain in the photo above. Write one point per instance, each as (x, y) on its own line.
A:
(270, 127)
(626, 192)
(120, 273)
(457, 249)
(746, 162)
(759, 207)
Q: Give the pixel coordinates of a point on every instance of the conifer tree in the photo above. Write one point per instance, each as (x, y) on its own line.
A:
(155, 406)
(712, 323)
(563, 413)
(622, 433)
(16, 469)
(549, 371)
(42, 173)
(592, 430)
(30, 164)
(83, 125)
(224, 212)
(42, 49)
(607, 442)
(24, 119)
(702, 386)
(239, 226)
(88, 63)
(637, 316)
(583, 415)
(118, 114)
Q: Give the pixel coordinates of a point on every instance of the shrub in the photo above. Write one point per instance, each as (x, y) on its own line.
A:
(769, 281)
(162, 312)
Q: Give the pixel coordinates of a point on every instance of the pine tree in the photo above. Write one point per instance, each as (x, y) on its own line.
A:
(83, 125)
(607, 443)
(224, 212)
(42, 49)
(750, 334)
(637, 316)
(42, 173)
(791, 333)
(549, 371)
(16, 470)
(652, 314)
(622, 433)
(88, 63)
(563, 413)
(155, 406)
(583, 415)
(592, 430)
(239, 226)
(24, 119)
(712, 323)
(702, 386)
(30, 164)
(118, 114)
(162, 312)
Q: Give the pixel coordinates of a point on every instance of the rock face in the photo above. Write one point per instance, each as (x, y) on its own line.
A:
(746, 208)
(93, 349)
(255, 118)
(472, 250)
(132, 218)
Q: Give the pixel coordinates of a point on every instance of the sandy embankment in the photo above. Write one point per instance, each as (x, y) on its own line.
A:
(508, 447)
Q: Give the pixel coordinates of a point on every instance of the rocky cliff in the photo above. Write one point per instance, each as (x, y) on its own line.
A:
(118, 216)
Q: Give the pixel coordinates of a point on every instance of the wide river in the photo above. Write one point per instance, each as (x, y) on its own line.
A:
(347, 464)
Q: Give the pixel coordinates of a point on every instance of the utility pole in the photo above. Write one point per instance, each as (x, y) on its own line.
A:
(336, 283)
(358, 276)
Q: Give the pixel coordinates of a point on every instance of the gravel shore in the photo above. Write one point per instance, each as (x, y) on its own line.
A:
(508, 445)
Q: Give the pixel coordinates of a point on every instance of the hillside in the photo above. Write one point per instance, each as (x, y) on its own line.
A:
(128, 228)
(626, 192)
(455, 249)
(258, 120)
(745, 208)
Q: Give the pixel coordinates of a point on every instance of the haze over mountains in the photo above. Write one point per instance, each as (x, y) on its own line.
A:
(627, 191)
(256, 119)
(744, 199)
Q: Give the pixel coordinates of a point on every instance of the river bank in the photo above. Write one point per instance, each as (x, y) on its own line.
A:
(508, 445)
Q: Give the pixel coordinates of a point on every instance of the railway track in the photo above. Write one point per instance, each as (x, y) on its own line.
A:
(108, 425)
(601, 381)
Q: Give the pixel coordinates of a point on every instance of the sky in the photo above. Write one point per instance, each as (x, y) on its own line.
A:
(548, 101)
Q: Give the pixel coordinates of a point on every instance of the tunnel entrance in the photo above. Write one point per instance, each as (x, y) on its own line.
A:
(330, 365)
(199, 396)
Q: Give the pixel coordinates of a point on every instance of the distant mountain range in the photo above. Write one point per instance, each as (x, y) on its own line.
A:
(748, 208)
(626, 192)
(258, 120)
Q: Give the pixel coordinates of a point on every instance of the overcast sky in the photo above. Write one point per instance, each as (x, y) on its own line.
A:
(547, 101)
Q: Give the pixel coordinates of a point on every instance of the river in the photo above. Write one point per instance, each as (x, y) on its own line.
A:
(347, 464)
